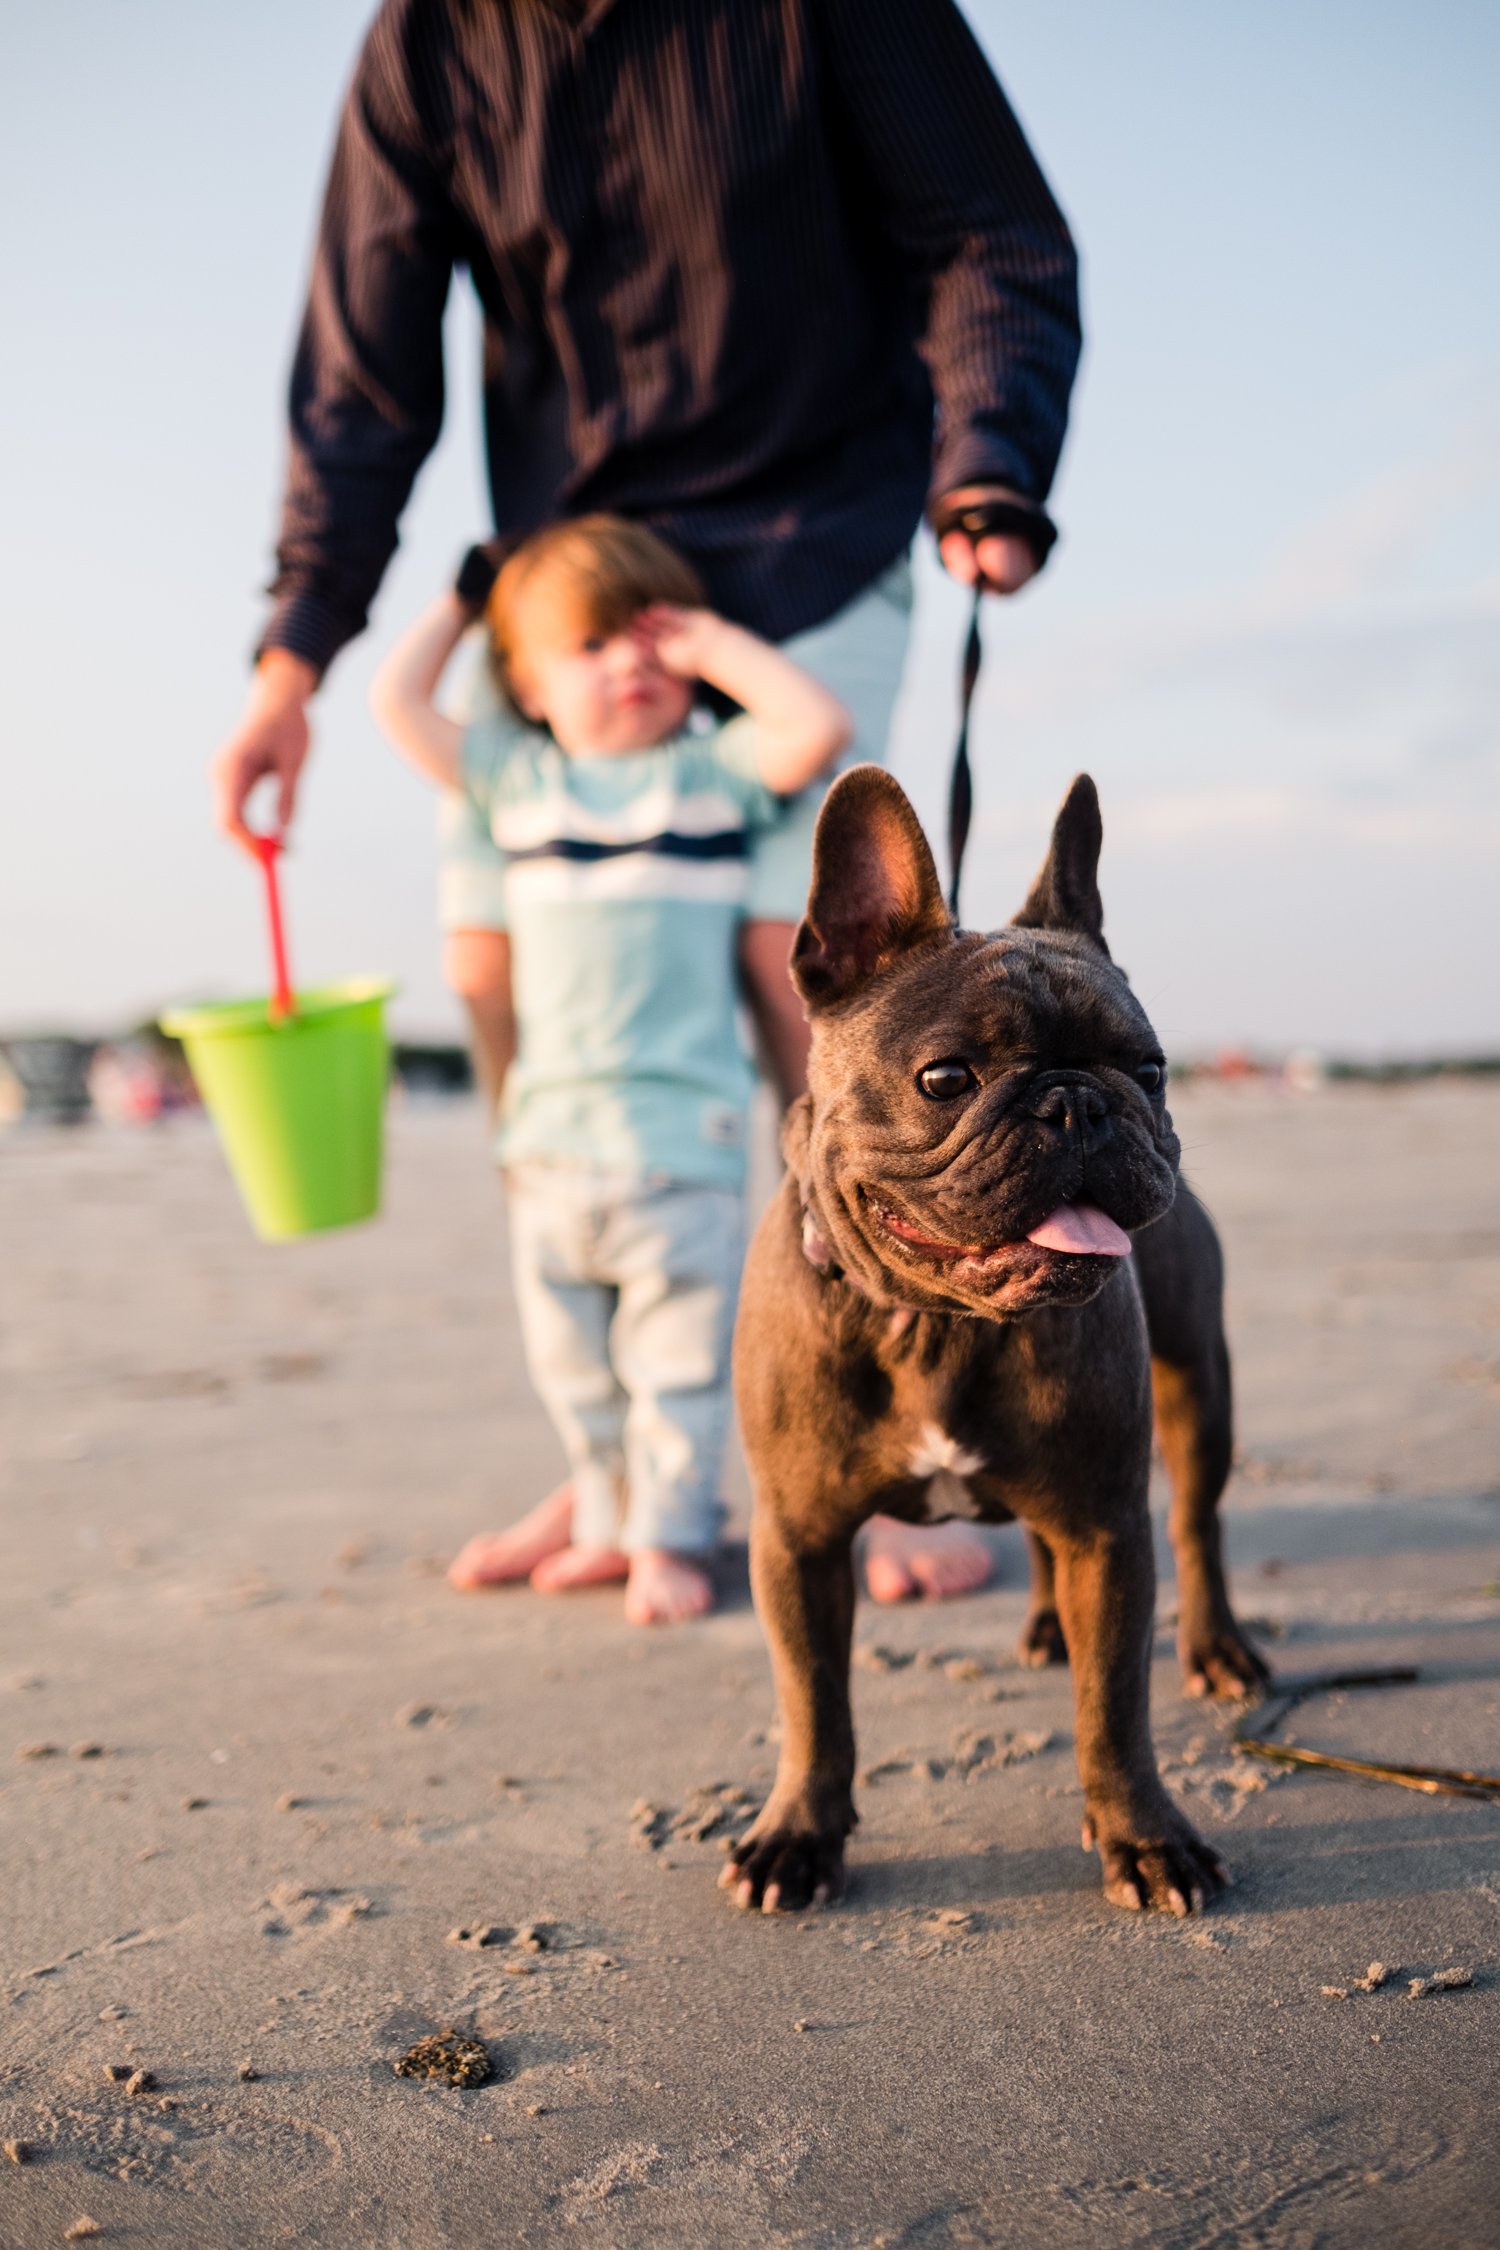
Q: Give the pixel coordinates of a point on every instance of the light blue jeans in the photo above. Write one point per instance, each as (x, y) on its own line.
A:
(626, 1292)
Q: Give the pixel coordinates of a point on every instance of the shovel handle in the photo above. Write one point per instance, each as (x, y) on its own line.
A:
(283, 1004)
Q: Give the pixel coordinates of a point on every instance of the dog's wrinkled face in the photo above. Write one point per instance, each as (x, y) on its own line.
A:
(986, 1118)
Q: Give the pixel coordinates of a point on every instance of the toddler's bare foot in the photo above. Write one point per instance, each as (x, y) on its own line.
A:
(579, 1566)
(499, 1558)
(936, 1560)
(664, 1588)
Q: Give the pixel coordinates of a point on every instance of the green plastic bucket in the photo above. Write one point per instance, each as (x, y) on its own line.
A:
(299, 1105)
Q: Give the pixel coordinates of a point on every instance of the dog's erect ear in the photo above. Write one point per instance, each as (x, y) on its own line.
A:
(1065, 895)
(875, 891)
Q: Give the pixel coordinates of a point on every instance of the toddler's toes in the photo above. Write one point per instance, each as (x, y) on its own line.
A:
(487, 1560)
(503, 1558)
(951, 1559)
(666, 1589)
(887, 1576)
(579, 1566)
(938, 1560)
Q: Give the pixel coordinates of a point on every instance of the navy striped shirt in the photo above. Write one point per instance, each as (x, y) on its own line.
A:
(624, 880)
(768, 274)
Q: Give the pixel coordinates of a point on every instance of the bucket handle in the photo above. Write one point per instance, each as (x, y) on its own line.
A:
(283, 1002)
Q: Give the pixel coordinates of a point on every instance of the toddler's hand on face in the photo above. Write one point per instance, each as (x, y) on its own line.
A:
(677, 638)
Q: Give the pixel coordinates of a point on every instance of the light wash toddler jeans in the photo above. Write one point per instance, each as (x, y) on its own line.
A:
(626, 1291)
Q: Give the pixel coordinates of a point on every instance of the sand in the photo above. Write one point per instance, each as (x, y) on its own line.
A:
(260, 1765)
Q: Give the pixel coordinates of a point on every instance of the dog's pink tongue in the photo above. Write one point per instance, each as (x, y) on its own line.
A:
(1082, 1228)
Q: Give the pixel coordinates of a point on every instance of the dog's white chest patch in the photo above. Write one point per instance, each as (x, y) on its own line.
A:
(935, 1451)
(945, 1464)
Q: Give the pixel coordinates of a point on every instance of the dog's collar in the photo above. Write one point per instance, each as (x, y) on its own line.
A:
(816, 1248)
(818, 1252)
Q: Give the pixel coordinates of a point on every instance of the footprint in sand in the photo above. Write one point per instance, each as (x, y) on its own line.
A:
(291, 1911)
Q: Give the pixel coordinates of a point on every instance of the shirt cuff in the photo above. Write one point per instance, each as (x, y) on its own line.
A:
(976, 456)
(471, 898)
(308, 627)
(471, 868)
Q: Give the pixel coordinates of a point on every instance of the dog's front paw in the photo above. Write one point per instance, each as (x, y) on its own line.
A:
(1217, 1660)
(1161, 1861)
(783, 1864)
(1042, 1639)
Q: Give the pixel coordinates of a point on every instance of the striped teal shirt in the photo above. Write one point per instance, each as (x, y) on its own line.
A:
(625, 879)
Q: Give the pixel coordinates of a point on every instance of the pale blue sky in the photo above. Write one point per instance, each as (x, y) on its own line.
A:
(1272, 632)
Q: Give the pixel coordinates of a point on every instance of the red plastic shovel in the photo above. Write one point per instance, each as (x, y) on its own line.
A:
(282, 1002)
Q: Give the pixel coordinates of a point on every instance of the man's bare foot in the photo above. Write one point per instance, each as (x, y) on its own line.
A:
(664, 1588)
(500, 1558)
(903, 1560)
(580, 1566)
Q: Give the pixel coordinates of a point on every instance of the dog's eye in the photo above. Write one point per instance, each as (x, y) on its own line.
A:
(945, 1081)
(1152, 1076)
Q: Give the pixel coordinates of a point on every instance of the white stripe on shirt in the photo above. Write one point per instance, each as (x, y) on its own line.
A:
(576, 882)
(520, 826)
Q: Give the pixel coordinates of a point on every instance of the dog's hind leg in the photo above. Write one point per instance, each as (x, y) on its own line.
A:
(1181, 1270)
(1041, 1639)
(793, 1854)
(1194, 1432)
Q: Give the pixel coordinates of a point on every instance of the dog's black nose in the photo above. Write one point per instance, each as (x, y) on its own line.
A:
(1076, 1111)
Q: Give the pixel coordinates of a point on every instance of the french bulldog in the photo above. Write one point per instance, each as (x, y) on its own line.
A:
(979, 1269)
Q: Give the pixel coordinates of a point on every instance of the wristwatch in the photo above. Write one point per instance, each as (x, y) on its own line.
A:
(478, 571)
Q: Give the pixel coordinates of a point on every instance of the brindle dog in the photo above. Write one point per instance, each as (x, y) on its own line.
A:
(942, 1316)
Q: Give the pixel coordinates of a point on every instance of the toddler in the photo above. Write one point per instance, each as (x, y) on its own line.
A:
(623, 815)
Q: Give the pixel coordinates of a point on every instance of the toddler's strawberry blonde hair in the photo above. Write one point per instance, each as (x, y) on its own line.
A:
(600, 571)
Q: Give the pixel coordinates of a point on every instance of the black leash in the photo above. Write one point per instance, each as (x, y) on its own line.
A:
(980, 519)
(961, 781)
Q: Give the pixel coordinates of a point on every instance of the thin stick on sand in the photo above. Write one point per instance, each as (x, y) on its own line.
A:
(1432, 1781)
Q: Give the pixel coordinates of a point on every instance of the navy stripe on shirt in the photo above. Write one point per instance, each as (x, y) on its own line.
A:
(728, 843)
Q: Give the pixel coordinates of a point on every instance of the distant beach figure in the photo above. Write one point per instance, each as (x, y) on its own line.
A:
(623, 819)
(771, 276)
